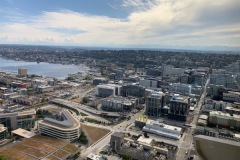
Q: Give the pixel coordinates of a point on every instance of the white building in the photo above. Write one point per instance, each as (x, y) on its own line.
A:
(215, 105)
(170, 70)
(44, 89)
(117, 103)
(106, 90)
(149, 83)
(68, 129)
(162, 129)
(180, 88)
(92, 156)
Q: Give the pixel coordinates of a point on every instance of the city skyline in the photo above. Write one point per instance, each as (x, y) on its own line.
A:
(173, 24)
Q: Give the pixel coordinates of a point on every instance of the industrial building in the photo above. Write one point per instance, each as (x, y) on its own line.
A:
(25, 119)
(179, 108)
(106, 90)
(154, 103)
(68, 129)
(162, 129)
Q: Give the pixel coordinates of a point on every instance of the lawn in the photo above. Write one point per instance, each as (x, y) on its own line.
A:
(60, 153)
(42, 146)
(70, 148)
(52, 158)
(93, 133)
(49, 140)
(29, 150)
(15, 155)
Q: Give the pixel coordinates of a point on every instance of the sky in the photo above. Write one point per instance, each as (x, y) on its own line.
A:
(173, 24)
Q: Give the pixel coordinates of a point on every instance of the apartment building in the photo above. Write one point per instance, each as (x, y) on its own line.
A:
(179, 107)
(154, 104)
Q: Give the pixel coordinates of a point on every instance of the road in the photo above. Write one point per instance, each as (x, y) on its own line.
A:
(187, 139)
(121, 127)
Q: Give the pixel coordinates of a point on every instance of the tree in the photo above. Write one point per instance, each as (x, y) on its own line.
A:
(76, 155)
(146, 135)
(85, 100)
(127, 157)
(83, 138)
(4, 157)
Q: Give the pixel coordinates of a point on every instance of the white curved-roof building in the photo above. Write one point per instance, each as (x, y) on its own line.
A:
(68, 129)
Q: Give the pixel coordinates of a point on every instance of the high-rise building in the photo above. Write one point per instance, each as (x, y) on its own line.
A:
(179, 108)
(154, 103)
(22, 72)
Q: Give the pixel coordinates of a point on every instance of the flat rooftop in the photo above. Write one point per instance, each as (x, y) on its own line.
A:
(224, 115)
(162, 125)
(23, 133)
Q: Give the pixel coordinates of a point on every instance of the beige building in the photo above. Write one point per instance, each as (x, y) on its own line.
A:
(224, 119)
(25, 119)
(3, 132)
(68, 129)
(211, 148)
(22, 72)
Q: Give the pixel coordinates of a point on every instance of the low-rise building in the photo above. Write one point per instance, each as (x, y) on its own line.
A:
(231, 96)
(99, 80)
(68, 129)
(106, 90)
(119, 103)
(3, 132)
(224, 119)
(210, 104)
(92, 156)
(25, 119)
(162, 129)
(44, 89)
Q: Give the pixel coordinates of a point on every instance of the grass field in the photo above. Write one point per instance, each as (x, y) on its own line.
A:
(94, 133)
(49, 140)
(32, 151)
(70, 148)
(40, 145)
(13, 154)
(60, 153)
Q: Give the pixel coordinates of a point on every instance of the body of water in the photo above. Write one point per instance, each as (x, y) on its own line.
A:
(46, 69)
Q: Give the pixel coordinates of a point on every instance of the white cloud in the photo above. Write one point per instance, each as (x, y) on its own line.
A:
(151, 23)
